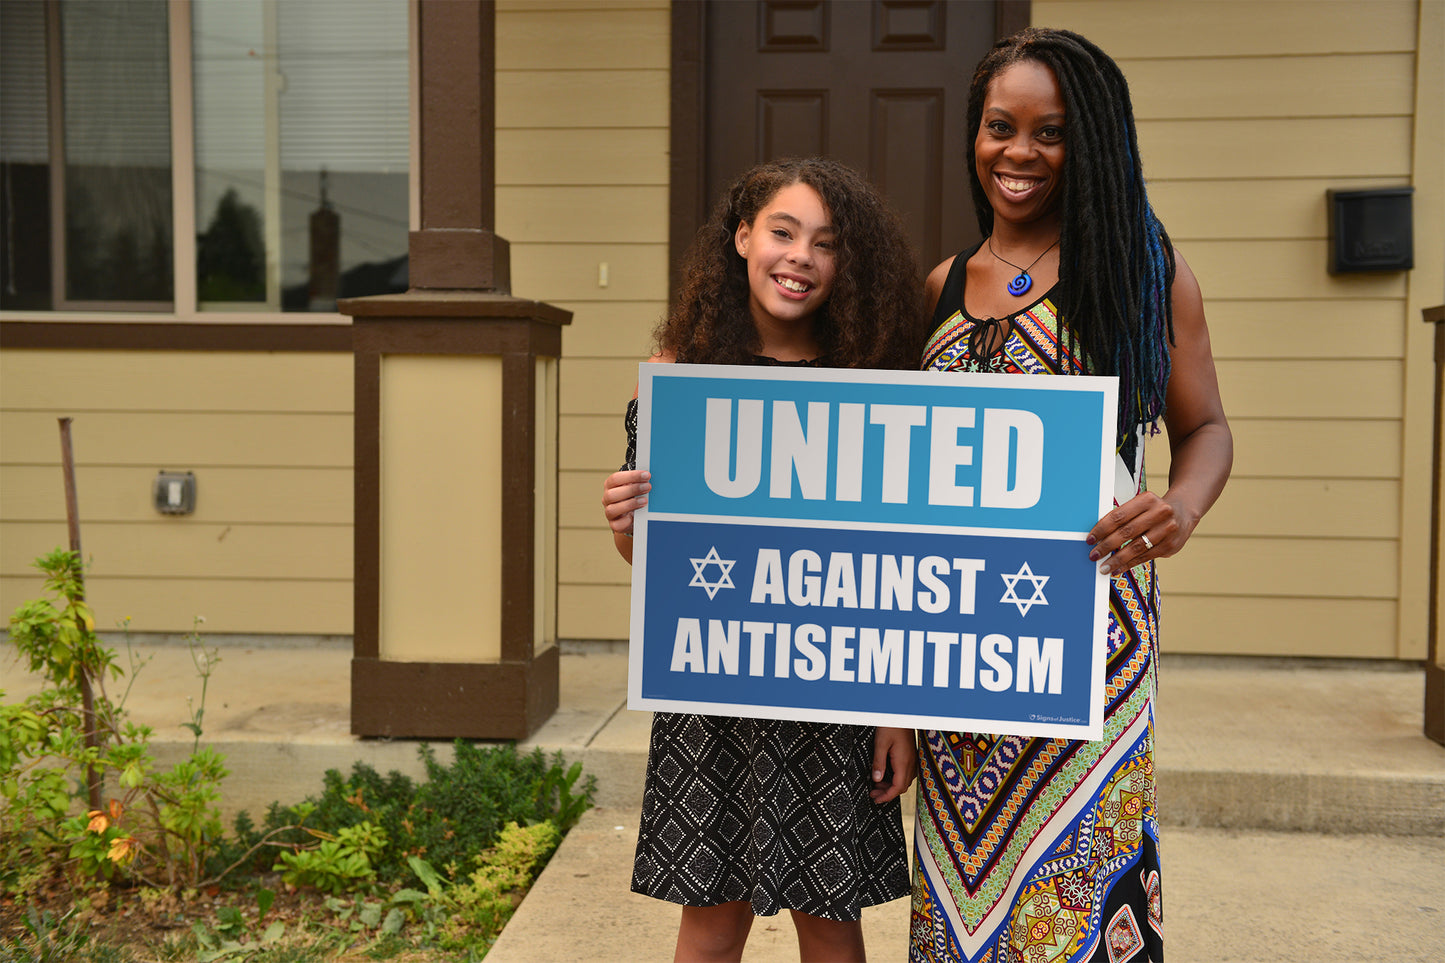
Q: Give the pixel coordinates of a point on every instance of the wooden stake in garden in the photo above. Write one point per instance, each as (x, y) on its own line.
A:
(72, 521)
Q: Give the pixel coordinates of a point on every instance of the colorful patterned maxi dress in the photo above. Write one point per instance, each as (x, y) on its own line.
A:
(1043, 850)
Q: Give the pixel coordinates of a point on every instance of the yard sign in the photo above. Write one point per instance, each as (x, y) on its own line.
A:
(883, 548)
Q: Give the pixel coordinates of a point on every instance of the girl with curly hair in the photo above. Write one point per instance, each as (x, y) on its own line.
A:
(800, 264)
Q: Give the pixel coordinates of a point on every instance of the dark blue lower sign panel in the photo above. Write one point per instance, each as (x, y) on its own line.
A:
(940, 630)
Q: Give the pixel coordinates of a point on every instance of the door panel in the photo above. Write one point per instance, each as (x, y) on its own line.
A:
(881, 85)
(790, 123)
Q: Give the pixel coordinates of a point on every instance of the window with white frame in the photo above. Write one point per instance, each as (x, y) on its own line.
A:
(216, 155)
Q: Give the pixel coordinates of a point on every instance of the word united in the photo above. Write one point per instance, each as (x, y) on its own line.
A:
(733, 455)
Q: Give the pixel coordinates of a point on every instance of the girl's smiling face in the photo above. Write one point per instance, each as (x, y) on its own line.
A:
(1019, 146)
(790, 247)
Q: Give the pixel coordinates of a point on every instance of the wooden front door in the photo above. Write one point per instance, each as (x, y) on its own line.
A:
(881, 85)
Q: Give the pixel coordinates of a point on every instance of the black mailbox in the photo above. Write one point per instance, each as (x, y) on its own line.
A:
(1371, 230)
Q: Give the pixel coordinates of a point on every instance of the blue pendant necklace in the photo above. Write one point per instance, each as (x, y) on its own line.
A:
(1020, 285)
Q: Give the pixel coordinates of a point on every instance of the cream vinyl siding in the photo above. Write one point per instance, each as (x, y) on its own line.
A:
(268, 549)
(1247, 113)
(582, 182)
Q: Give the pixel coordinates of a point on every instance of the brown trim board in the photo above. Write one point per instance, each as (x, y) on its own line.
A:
(1434, 672)
(1010, 16)
(174, 336)
(687, 207)
(487, 336)
(366, 508)
(519, 504)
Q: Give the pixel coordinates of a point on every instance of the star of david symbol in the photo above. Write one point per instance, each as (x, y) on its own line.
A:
(1012, 595)
(724, 580)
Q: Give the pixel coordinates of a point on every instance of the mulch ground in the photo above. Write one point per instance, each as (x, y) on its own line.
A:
(146, 925)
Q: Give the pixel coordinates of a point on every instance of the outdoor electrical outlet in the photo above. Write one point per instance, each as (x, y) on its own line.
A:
(175, 492)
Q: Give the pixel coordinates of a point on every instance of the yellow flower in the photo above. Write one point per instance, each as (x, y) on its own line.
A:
(100, 819)
(123, 849)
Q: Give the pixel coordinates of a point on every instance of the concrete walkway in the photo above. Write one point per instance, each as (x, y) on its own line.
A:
(1229, 895)
(1304, 809)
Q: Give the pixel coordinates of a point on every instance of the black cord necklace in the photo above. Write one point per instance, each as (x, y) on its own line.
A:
(1020, 285)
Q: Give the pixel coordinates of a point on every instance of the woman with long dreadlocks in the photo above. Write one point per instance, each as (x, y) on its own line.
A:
(1047, 849)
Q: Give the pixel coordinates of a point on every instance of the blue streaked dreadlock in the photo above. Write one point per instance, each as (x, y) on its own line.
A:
(1116, 264)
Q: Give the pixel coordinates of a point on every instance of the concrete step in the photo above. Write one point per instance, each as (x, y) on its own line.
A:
(1248, 744)
(1285, 745)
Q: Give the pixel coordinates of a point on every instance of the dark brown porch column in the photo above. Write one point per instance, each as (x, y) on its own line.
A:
(456, 440)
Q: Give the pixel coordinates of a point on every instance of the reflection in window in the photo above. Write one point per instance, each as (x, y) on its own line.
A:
(301, 135)
(25, 277)
(86, 81)
(117, 151)
(302, 140)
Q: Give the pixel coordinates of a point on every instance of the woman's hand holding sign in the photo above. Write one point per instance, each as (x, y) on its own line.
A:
(1150, 526)
(1144, 527)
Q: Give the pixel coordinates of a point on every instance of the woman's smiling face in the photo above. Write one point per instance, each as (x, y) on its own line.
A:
(1019, 145)
(790, 250)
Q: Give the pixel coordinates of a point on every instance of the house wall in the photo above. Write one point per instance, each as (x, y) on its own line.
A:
(1247, 113)
(582, 192)
(268, 435)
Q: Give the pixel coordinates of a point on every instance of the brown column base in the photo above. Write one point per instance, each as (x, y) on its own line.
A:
(451, 700)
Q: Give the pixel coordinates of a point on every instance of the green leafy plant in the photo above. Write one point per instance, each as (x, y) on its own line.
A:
(475, 831)
(155, 826)
(231, 938)
(558, 785)
(56, 636)
(341, 863)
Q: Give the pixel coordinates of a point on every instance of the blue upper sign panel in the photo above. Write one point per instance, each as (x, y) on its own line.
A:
(983, 452)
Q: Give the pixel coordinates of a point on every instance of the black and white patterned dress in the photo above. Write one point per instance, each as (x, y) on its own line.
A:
(775, 813)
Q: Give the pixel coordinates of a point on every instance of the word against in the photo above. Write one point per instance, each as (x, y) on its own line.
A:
(1010, 449)
(867, 654)
(895, 584)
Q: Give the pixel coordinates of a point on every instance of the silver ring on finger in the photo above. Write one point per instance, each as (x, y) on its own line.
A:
(1147, 544)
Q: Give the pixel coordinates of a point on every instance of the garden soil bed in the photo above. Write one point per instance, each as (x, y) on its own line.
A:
(156, 925)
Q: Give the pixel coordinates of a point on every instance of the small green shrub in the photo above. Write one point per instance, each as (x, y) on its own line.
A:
(476, 909)
(453, 816)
